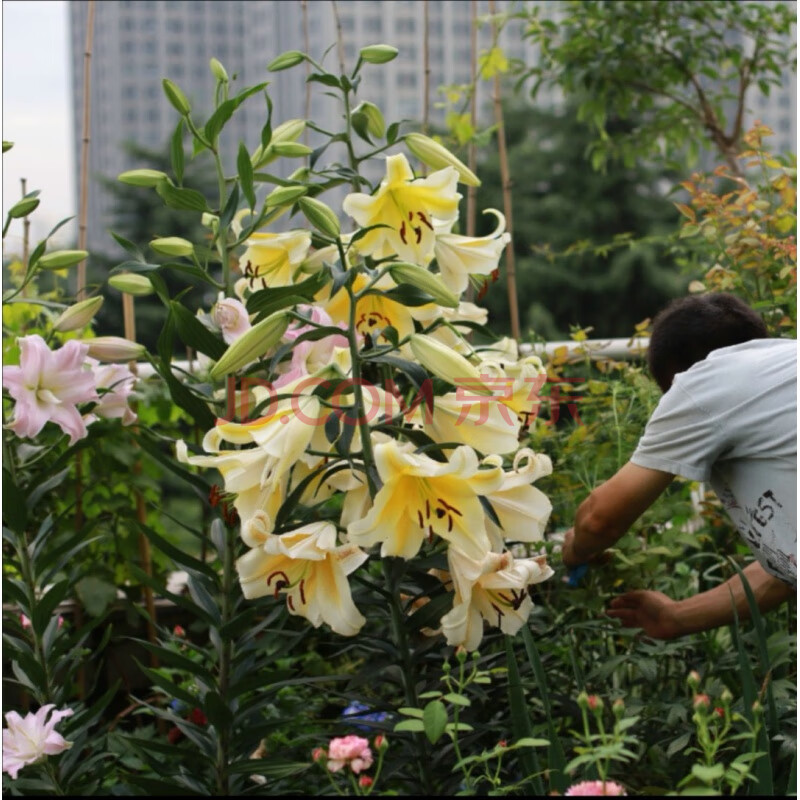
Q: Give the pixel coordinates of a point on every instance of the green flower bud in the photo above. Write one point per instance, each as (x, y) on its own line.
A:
(420, 277)
(78, 316)
(444, 362)
(142, 177)
(285, 132)
(252, 344)
(285, 60)
(114, 348)
(378, 53)
(291, 149)
(172, 246)
(300, 174)
(131, 283)
(376, 125)
(7, 146)
(62, 258)
(435, 155)
(217, 70)
(618, 707)
(176, 97)
(23, 207)
(320, 216)
(693, 679)
(284, 195)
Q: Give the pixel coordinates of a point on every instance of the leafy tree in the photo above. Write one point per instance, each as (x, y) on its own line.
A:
(561, 206)
(681, 68)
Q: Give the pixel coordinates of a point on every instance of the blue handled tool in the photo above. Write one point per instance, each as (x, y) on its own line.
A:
(575, 575)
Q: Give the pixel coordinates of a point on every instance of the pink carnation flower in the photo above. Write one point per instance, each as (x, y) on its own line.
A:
(48, 385)
(352, 750)
(595, 789)
(28, 739)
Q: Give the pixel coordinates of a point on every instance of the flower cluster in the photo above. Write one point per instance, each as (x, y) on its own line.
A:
(472, 489)
(49, 385)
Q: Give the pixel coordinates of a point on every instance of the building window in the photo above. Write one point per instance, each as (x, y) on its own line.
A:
(174, 25)
(784, 124)
(128, 91)
(349, 51)
(406, 79)
(130, 115)
(150, 46)
(435, 27)
(406, 25)
(148, 24)
(784, 101)
(176, 70)
(348, 23)
(373, 24)
(461, 28)
(127, 46)
(126, 23)
(437, 54)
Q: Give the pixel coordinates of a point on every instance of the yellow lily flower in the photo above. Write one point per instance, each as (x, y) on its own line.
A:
(310, 568)
(409, 207)
(478, 420)
(272, 259)
(522, 384)
(491, 588)
(522, 509)
(421, 498)
(459, 257)
(373, 311)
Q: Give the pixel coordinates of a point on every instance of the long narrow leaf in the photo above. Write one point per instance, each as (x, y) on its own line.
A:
(521, 721)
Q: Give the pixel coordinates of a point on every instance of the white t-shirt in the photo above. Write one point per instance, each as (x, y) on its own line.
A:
(731, 419)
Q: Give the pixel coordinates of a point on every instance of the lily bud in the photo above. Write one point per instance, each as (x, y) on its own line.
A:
(618, 707)
(320, 216)
(287, 131)
(142, 177)
(693, 679)
(420, 277)
(210, 221)
(62, 258)
(23, 207)
(435, 155)
(252, 344)
(172, 246)
(378, 53)
(291, 149)
(131, 283)
(300, 174)
(444, 362)
(176, 97)
(284, 195)
(217, 70)
(376, 125)
(7, 146)
(113, 348)
(285, 60)
(79, 315)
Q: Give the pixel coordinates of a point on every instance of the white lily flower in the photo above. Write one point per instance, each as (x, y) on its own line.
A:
(310, 568)
(458, 257)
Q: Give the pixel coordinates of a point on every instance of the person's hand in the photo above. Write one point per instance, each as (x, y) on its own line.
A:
(653, 612)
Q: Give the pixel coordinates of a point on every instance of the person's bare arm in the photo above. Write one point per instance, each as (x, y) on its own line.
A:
(663, 618)
(607, 513)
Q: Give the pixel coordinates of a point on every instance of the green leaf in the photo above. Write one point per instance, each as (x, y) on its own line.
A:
(434, 720)
(15, 513)
(217, 711)
(708, 774)
(413, 725)
(95, 594)
(195, 334)
(245, 168)
(326, 79)
(180, 198)
(457, 699)
(44, 608)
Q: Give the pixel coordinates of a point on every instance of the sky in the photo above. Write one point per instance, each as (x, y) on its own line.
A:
(37, 116)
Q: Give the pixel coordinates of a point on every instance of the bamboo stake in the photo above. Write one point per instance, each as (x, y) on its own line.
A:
(145, 556)
(513, 302)
(26, 235)
(87, 105)
(426, 61)
(472, 151)
(339, 41)
(306, 48)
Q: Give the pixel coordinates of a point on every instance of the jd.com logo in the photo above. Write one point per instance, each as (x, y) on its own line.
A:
(388, 402)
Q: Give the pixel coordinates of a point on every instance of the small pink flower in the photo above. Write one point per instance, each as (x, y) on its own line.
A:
(318, 754)
(28, 739)
(595, 789)
(232, 318)
(48, 385)
(24, 621)
(365, 781)
(352, 750)
(701, 701)
(178, 631)
(593, 702)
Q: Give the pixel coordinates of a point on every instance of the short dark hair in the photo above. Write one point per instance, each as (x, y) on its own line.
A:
(689, 328)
